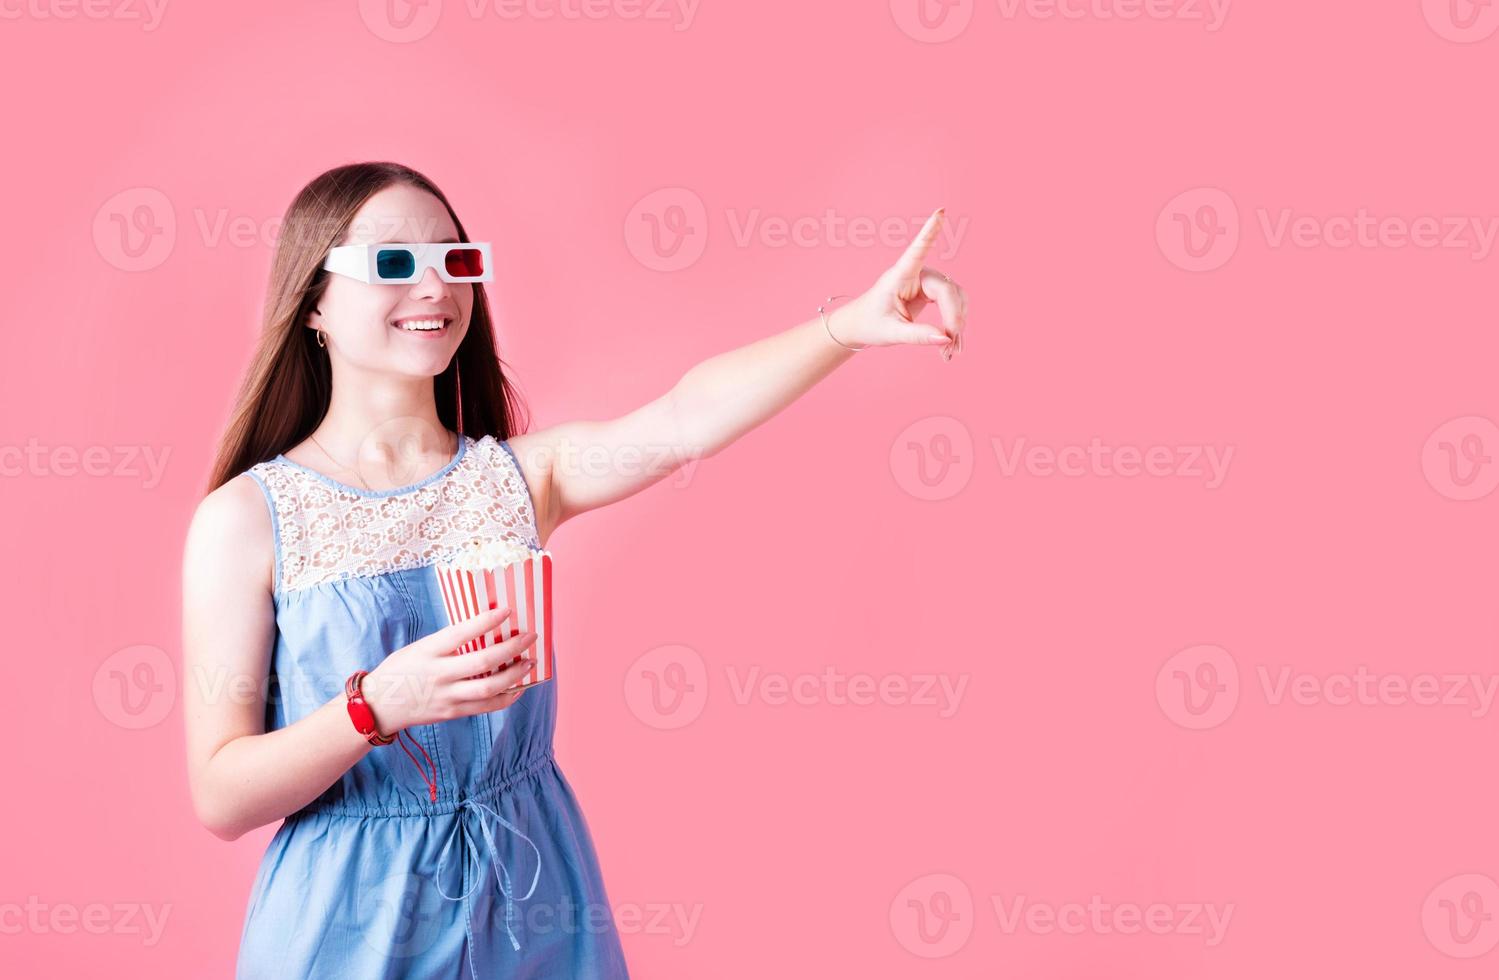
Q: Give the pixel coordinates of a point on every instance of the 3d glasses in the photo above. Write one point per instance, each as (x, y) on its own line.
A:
(397, 262)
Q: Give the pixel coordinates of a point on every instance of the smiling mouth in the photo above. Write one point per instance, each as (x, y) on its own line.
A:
(430, 326)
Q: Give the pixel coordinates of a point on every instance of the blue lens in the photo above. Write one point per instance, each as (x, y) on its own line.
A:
(395, 263)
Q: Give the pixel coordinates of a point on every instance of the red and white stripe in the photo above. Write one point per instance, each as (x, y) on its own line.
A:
(524, 586)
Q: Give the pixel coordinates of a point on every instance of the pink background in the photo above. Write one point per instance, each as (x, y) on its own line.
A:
(1121, 739)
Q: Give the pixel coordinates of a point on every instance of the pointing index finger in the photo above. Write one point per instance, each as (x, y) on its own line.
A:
(910, 263)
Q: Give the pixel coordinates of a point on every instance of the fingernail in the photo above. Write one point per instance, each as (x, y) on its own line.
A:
(936, 338)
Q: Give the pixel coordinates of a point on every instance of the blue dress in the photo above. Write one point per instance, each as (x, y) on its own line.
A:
(498, 877)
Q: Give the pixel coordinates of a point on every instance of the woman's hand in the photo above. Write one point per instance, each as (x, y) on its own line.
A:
(429, 680)
(886, 314)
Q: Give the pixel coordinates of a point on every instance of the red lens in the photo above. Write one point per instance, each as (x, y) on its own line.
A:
(465, 262)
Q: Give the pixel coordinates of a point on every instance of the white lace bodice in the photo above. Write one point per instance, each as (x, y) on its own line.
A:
(326, 530)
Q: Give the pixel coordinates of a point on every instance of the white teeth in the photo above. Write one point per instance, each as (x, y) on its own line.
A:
(420, 324)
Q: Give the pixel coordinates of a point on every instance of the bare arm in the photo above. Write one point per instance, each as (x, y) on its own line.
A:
(577, 466)
(243, 777)
(240, 776)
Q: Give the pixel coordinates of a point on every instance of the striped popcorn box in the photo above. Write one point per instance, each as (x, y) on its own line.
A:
(498, 574)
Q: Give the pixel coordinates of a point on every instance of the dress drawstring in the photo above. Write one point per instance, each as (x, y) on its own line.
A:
(501, 873)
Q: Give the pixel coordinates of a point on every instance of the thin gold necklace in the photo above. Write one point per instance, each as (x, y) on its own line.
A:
(348, 468)
(337, 463)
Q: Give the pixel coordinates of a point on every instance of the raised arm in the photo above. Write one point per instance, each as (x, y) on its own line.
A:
(577, 466)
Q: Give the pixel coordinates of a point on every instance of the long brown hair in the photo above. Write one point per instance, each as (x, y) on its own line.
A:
(286, 390)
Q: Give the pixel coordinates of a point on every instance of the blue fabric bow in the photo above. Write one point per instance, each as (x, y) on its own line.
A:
(501, 873)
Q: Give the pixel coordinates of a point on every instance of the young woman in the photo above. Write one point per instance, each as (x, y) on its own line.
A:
(374, 431)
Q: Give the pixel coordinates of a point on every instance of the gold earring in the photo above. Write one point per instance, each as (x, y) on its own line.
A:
(322, 341)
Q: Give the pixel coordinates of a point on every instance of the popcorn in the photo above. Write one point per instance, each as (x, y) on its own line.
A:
(479, 553)
(494, 574)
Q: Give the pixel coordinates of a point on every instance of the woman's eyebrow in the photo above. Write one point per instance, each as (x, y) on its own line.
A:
(440, 241)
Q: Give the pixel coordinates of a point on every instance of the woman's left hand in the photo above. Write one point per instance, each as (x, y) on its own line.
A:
(885, 315)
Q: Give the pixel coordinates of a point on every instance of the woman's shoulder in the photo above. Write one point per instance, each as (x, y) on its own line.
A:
(232, 526)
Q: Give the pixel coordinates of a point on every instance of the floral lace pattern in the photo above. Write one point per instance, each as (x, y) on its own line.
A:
(326, 531)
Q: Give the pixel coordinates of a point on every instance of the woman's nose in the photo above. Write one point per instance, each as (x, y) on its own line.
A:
(431, 285)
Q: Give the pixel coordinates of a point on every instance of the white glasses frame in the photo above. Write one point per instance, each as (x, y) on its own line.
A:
(359, 261)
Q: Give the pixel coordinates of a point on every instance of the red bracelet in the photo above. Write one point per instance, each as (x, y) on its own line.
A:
(364, 723)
